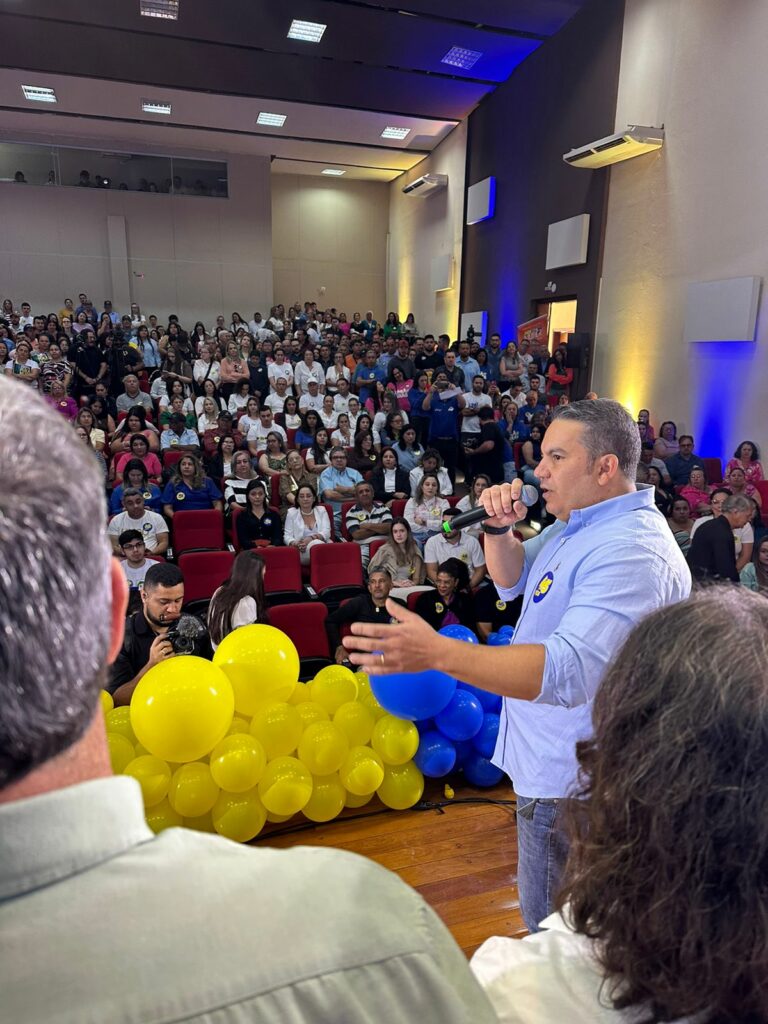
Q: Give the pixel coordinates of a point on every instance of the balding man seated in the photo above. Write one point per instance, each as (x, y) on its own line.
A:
(133, 395)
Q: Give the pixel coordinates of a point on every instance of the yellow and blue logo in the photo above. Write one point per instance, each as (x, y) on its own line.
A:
(543, 587)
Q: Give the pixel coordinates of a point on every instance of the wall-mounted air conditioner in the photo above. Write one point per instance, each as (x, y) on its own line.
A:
(633, 141)
(426, 185)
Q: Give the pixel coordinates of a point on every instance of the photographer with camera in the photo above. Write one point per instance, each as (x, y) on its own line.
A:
(157, 632)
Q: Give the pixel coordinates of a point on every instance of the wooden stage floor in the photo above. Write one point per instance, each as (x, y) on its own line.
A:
(461, 857)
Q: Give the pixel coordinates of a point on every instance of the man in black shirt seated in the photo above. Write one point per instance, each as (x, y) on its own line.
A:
(146, 642)
(712, 555)
(368, 607)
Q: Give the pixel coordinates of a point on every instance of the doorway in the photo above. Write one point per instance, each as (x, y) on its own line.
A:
(561, 316)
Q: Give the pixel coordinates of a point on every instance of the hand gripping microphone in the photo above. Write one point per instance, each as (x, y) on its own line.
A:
(529, 497)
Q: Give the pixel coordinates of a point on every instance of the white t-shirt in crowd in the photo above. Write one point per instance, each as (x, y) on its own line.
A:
(467, 549)
(135, 574)
(275, 402)
(150, 526)
(258, 433)
(284, 370)
(308, 401)
(471, 424)
(303, 374)
(446, 487)
(245, 613)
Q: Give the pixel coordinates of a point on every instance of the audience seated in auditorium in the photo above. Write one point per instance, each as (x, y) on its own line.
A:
(450, 602)
(454, 544)
(367, 519)
(189, 489)
(368, 607)
(424, 510)
(135, 565)
(258, 525)
(662, 904)
(136, 516)
(307, 523)
(240, 600)
(712, 555)
(681, 523)
(736, 480)
(680, 464)
(746, 457)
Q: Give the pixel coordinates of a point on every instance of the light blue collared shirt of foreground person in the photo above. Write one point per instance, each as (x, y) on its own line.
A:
(587, 583)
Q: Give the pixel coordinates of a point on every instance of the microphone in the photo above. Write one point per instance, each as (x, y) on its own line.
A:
(529, 497)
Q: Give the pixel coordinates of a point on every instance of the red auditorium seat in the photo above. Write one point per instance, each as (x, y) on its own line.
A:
(329, 509)
(345, 507)
(282, 577)
(197, 531)
(713, 468)
(517, 453)
(305, 625)
(171, 456)
(413, 598)
(335, 571)
(453, 500)
(398, 507)
(204, 572)
(375, 544)
(274, 498)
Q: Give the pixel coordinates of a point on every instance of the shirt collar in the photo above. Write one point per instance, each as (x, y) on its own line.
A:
(48, 838)
(642, 497)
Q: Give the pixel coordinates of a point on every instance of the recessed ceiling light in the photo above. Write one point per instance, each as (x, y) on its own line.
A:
(395, 133)
(39, 94)
(273, 120)
(459, 57)
(155, 107)
(160, 9)
(333, 172)
(307, 31)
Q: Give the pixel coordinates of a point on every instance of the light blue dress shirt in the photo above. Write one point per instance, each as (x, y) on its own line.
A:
(587, 583)
(471, 368)
(331, 478)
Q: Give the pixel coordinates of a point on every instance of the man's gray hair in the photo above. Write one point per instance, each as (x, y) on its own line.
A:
(738, 503)
(55, 599)
(132, 492)
(608, 430)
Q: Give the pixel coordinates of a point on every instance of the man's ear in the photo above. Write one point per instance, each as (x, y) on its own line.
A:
(119, 608)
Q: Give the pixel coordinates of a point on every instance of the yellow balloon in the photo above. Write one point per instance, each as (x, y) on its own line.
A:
(402, 786)
(327, 800)
(300, 694)
(121, 751)
(119, 720)
(153, 775)
(370, 702)
(202, 824)
(163, 816)
(107, 703)
(363, 684)
(237, 763)
(239, 816)
(395, 739)
(278, 819)
(192, 791)
(310, 712)
(362, 772)
(285, 786)
(261, 663)
(323, 748)
(277, 726)
(182, 708)
(239, 725)
(357, 801)
(356, 721)
(333, 686)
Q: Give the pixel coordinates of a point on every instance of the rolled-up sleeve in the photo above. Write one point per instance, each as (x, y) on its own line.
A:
(531, 549)
(611, 594)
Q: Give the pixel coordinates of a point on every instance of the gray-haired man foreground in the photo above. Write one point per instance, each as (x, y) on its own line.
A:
(100, 920)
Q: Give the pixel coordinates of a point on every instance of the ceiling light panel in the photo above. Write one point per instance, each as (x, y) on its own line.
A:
(391, 132)
(39, 94)
(333, 172)
(306, 31)
(460, 57)
(271, 120)
(155, 107)
(160, 9)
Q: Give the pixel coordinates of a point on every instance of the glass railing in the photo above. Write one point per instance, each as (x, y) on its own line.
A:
(26, 164)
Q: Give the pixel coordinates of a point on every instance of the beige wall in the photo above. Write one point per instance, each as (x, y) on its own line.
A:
(695, 212)
(420, 229)
(329, 242)
(197, 257)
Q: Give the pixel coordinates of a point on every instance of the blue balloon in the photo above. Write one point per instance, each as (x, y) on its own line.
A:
(413, 695)
(458, 632)
(485, 741)
(489, 701)
(462, 718)
(424, 725)
(499, 639)
(463, 749)
(507, 631)
(436, 755)
(480, 772)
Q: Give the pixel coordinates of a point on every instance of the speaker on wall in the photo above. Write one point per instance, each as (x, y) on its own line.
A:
(577, 352)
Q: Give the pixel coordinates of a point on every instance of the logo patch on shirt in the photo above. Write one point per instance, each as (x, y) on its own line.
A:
(543, 588)
(501, 606)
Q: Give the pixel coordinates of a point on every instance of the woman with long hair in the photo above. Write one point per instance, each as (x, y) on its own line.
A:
(174, 389)
(135, 475)
(85, 437)
(401, 558)
(258, 525)
(663, 901)
(471, 500)
(363, 456)
(736, 479)
(365, 422)
(388, 407)
(559, 376)
(305, 435)
(238, 400)
(233, 369)
(290, 417)
(416, 397)
(754, 575)
(135, 422)
(681, 524)
(139, 449)
(409, 451)
(318, 457)
(342, 435)
(272, 460)
(85, 418)
(209, 390)
(307, 523)
(102, 420)
(292, 478)
(389, 482)
(219, 465)
(646, 431)
(176, 365)
(334, 372)
(661, 497)
(189, 489)
(424, 511)
(249, 417)
(240, 600)
(665, 445)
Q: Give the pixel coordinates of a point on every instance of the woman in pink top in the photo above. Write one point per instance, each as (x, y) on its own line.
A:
(139, 449)
(736, 480)
(696, 493)
(747, 457)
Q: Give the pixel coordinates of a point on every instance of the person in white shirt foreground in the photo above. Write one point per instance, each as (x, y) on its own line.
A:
(100, 919)
(663, 905)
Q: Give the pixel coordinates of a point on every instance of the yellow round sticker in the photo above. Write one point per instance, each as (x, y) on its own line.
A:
(501, 606)
(180, 496)
(439, 607)
(147, 495)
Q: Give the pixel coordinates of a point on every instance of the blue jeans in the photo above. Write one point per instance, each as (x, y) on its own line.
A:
(542, 849)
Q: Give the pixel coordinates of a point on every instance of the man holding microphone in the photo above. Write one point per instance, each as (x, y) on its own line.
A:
(607, 561)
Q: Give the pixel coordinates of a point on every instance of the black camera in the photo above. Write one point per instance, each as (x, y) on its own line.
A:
(186, 634)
